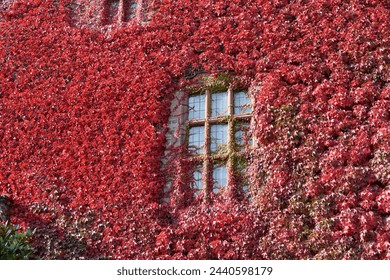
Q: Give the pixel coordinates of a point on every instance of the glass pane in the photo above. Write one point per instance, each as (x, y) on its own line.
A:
(242, 136)
(196, 105)
(245, 184)
(218, 135)
(219, 104)
(198, 180)
(111, 9)
(129, 7)
(239, 137)
(241, 174)
(219, 178)
(242, 103)
(196, 139)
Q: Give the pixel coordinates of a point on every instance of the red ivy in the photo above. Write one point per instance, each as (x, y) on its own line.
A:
(83, 114)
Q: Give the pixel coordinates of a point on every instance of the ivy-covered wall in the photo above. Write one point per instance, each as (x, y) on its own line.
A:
(84, 112)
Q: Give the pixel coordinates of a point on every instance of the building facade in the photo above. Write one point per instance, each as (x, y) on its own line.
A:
(174, 129)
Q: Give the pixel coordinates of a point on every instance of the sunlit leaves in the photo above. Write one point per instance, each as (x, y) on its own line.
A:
(83, 114)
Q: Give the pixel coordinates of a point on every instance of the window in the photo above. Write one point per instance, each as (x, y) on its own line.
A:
(198, 180)
(196, 139)
(119, 11)
(196, 106)
(242, 103)
(219, 177)
(129, 9)
(217, 135)
(219, 104)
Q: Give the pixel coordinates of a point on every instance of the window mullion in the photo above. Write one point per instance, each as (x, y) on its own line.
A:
(207, 141)
(121, 10)
(230, 120)
(230, 160)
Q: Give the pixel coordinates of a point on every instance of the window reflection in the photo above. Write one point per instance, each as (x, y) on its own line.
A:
(242, 103)
(129, 9)
(198, 180)
(218, 135)
(219, 177)
(196, 139)
(219, 104)
(242, 136)
(196, 105)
